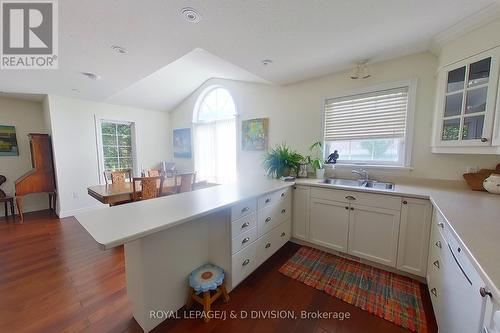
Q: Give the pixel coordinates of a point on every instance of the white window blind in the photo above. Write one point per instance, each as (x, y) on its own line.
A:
(380, 114)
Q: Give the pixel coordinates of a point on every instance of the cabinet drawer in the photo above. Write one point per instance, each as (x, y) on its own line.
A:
(273, 241)
(273, 198)
(243, 240)
(243, 263)
(270, 217)
(360, 198)
(243, 209)
(243, 224)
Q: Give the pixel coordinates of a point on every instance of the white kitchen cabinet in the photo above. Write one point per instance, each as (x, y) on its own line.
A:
(466, 106)
(414, 233)
(373, 233)
(329, 223)
(300, 211)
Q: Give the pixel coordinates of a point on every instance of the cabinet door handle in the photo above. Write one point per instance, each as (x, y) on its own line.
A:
(484, 140)
(441, 225)
(405, 202)
(283, 211)
(434, 292)
(350, 197)
(245, 240)
(352, 208)
(283, 234)
(436, 263)
(438, 244)
(245, 209)
(282, 194)
(485, 292)
(268, 219)
(244, 225)
(268, 200)
(346, 207)
(268, 245)
(246, 262)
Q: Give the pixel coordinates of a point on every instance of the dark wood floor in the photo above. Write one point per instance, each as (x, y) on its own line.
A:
(53, 278)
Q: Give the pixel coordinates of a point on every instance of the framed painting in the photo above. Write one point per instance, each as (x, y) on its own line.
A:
(254, 134)
(8, 141)
(182, 143)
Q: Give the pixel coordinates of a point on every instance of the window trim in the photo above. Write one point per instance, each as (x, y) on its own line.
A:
(410, 119)
(100, 150)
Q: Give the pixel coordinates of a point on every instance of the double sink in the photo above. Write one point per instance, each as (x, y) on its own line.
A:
(359, 183)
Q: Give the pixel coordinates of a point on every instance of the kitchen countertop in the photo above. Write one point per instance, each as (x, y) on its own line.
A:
(473, 216)
(114, 226)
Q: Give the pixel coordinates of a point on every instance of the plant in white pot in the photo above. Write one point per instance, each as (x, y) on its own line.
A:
(315, 160)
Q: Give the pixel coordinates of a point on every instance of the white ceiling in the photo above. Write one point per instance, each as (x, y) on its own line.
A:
(304, 38)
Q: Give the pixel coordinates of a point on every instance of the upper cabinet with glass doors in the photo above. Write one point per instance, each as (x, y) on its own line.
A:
(467, 106)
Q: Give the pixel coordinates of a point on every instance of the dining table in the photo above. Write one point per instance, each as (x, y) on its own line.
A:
(111, 194)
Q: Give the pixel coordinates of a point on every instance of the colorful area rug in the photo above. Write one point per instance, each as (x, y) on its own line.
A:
(390, 296)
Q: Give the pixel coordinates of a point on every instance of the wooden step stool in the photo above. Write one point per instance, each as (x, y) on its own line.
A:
(206, 279)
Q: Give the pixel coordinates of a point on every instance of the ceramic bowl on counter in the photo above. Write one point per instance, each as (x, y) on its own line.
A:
(492, 183)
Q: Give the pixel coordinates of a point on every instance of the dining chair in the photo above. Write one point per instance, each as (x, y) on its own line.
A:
(154, 173)
(117, 176)
(186, 182)
(150, 188)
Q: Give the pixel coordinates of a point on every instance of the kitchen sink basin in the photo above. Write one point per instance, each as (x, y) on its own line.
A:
(359, 183)
(343, 182)
(379, 185)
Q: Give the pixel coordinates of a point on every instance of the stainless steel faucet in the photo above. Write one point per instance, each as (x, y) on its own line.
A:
(362, 173)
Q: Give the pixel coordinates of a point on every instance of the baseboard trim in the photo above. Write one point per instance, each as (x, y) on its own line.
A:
(73, 212)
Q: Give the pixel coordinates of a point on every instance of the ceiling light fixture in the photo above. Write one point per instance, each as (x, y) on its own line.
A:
(75, 90)
(267, 62)
(91, 76)
(190, 14)
(119, 49)
(360, 70)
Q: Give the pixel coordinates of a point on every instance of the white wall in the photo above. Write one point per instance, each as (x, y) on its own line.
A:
(295, 113)
(27, 117)
(75, 148)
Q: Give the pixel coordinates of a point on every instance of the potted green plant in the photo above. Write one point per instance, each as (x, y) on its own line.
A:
(282, 161)
(316, 160)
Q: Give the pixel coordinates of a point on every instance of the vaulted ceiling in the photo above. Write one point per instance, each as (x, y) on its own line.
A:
(169, 57)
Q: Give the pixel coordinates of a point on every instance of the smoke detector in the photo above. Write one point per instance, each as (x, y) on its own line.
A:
(267, 62)
(119, 49)
(190, 14)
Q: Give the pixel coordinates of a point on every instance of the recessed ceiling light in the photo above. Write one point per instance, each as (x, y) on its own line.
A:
(91, 76)
(267, 62)
(119, 49)
(190, 15)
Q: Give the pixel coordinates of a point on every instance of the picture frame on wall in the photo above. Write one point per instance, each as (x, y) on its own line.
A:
(182, 143)
(254, 134)
(8, 141)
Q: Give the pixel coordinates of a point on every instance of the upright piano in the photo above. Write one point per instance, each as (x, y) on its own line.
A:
(40, 178)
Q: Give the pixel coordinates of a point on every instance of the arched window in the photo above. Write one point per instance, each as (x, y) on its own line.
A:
(214, 120)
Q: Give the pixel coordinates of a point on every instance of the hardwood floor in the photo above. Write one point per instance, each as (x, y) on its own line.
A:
(54, 278)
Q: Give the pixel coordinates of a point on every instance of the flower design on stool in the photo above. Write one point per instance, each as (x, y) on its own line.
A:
(206, 277)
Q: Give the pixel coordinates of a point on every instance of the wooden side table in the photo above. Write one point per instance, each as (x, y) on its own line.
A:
(8, 200)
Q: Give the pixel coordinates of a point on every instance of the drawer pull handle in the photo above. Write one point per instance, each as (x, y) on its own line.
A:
(282, 194)
(283, 211)
(441, 225)
(352, 208)
(438, 244)
(268, 245)
(436, 263)
(268, 200)
(346, 207)
(405, 202)
(268, 219)
(350, 197)
(245, 209)
(246, 262)
(283, 234)
(434, 292)
(245, 240)
(244, 225)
